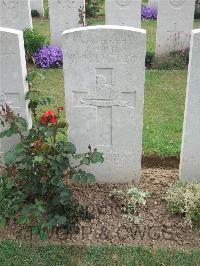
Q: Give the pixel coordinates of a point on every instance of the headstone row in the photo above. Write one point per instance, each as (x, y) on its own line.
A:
(13, 84)
(15, 14)
(174, 25)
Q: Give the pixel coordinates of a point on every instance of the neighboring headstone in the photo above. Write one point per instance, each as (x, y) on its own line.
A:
(38, 6)
(153, 3)
(13, 85)
(64, 15)
(190, 154)
(104, 70)
(15, 14)
(174, 25)
(123, 12)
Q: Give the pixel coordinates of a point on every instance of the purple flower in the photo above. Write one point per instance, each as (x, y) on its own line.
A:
(148, 12)
(49, 56)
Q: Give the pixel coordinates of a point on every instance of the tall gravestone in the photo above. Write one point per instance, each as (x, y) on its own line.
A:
(13, 85)
(15, 14)
(38, 6)
(174, 25)
(104, 70)
(123, 12)
(153, 3)
(190, 154)
(64, 15)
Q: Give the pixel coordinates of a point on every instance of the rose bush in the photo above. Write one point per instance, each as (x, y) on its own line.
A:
(35, 179)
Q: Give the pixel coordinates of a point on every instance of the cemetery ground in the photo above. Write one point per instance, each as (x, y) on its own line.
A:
(168, 238)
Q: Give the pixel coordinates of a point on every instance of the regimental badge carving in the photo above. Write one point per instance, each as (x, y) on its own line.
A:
(105, 93)
(177, 3)
(123, 3)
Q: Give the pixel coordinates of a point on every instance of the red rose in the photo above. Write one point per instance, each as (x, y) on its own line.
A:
(48, 117)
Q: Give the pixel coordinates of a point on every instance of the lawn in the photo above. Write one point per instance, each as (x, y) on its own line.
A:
(12, 253)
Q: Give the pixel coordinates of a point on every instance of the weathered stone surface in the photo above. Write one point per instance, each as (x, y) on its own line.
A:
(123, 12)
(174, 25)
(190, 154)
(37, 5)
(15, 14)
(153, 3)
(104, 86)
(13, 85)
(64, 15)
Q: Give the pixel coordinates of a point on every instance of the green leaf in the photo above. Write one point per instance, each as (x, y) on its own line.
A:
(3, 134)
(43, 235)
(31, 75)
(2, 222)
(10, 157)
(39, 158)
(33, 95)
(71, 149)
(97, 157)
(21, 123)
(19, 149)
(35, 230)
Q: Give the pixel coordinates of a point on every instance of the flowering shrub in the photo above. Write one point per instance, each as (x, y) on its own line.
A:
(49, 56)
(184, 198)
(148, 12)
(34, 182)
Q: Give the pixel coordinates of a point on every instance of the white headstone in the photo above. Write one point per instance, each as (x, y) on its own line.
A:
(123, 12)
(153, 3)
(13, 85)
(190, 154)
(104, 70)
(174, 25)
(38, 6)
(64, 15)
(15, 14)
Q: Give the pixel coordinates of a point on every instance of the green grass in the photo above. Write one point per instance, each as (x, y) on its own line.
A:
(12, 253)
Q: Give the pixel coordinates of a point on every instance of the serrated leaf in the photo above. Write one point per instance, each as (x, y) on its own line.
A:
(97, 157)
(10, 157)
(21, 124)
(71, 149)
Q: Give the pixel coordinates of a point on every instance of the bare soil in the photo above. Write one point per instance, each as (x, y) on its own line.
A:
(157, 228)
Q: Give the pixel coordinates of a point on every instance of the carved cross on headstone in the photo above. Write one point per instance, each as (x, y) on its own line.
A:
(176, 36)
(105, 96)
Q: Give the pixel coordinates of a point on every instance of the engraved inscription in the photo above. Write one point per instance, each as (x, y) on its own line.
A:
(102, 52)
(123, 3)
(104, 126)
(177, 3)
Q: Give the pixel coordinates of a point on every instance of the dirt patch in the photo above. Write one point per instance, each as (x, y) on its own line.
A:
(171, 162)
(157, 227)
